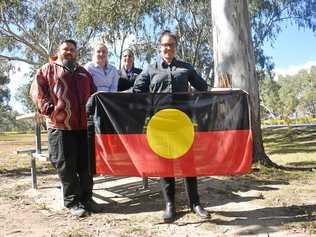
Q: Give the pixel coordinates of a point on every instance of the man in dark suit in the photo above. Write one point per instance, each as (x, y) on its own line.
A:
(128, 72)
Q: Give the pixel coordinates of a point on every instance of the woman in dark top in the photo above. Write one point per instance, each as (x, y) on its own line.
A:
(128, 72)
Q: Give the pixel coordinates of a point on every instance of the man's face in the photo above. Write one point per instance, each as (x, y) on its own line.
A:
(100, 55)
(67, 51)
(127, 60)
(168, 48)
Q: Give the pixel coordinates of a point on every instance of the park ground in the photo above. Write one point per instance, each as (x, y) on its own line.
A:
(265, 202)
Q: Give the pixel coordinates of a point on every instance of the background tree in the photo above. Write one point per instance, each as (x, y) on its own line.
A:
(114, 20)
(269, 97)
(290, 95)
(7, 115)
(234, 55)
(268, 17)
(298, 93)
(23, 94)
(31, 30)
(307, 94)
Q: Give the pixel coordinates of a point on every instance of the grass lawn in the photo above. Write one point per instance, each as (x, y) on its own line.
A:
(298, 148)
(10, 161)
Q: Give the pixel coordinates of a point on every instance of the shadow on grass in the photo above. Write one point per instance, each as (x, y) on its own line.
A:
(213, 192)
(303, 163)
(278, 140)
(265, 218)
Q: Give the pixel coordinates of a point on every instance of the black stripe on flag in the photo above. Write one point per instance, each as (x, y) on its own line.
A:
(128, 113)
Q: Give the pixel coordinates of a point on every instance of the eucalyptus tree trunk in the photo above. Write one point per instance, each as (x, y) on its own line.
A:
(234, 56)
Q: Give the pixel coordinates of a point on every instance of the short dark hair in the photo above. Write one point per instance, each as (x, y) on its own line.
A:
(70, 41)
(169, 33)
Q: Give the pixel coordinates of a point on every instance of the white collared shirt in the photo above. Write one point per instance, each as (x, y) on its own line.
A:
(105, 79)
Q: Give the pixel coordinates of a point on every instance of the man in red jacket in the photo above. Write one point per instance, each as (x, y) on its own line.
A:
(63, 88)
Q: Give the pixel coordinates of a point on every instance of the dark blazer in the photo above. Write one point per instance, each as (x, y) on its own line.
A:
(127, 81)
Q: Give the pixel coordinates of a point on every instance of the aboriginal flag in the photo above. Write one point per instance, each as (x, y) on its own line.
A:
(171, 134)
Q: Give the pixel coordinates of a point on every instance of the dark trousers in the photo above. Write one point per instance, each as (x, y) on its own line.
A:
(68, 153)
(168, 190)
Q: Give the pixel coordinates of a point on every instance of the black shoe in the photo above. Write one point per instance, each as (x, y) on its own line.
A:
(92, 206)
(200, 211)
(78, 210)
(170, 213)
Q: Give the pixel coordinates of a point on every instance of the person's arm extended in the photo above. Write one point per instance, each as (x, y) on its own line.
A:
(142, 82)
(197, 81)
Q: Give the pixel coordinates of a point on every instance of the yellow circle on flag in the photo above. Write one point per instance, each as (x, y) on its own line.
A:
(170, 133)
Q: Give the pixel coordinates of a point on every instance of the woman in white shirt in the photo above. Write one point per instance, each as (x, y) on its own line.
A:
(105, 75)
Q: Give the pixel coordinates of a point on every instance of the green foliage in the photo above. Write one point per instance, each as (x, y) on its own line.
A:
(290, 95)
(114, 20)
(288, 91)
(23, 96)
(270, 100)
(267, 17)
(31, 30)
(7, 116)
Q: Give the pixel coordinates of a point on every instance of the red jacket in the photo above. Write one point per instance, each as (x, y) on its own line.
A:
(62, 95)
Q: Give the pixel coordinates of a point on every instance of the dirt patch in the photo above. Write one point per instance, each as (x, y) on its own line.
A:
(239, 206)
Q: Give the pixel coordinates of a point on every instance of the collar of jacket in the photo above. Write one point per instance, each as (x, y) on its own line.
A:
(161, 63)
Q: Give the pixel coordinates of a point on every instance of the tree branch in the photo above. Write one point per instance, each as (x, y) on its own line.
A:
(18, 59)
(9, 32)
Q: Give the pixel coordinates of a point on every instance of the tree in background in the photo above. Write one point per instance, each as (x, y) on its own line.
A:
(307, 96)
(267, 18)
(234, 56)
(4, 90)
(7, 115)
(23, 94)
(290, 96)
(298, 94)
(31, 30)
(114, 21)
(269, 98)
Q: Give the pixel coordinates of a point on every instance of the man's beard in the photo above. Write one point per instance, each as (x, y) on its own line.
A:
(70, 65)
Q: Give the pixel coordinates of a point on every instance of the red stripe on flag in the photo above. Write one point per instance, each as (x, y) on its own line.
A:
(212, 153)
